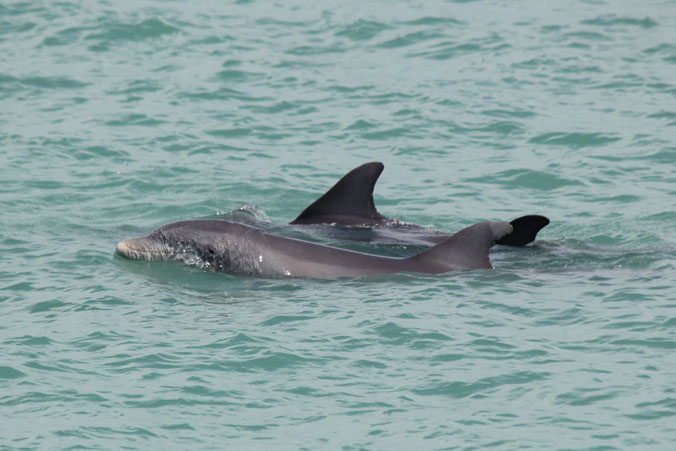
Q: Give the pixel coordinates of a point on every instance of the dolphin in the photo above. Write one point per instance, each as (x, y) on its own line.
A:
(349, 203)
(239, 249)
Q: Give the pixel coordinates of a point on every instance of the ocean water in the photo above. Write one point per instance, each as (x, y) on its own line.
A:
(119, 117)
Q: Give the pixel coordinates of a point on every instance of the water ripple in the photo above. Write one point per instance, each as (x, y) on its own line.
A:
(612, 20)
(574, 140)
(120, 31)
(481, 387)
(362, 30)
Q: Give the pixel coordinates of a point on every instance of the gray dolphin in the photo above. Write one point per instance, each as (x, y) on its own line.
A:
(244, 250)
(350, 203)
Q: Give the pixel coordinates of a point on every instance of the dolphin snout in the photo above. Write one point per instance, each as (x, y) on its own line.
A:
(145, 248)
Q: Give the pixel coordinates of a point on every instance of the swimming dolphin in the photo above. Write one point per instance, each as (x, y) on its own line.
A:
(244, 250)
(350, 203)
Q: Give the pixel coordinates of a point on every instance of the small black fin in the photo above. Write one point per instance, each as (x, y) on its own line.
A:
(467, 249)
(525, 230)
(349, 202)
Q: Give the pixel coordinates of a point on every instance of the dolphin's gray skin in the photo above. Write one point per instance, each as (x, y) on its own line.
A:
(350, 203)
(244, 250)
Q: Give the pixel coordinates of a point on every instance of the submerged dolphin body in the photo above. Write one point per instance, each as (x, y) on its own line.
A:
(350, 203)
(244, 250)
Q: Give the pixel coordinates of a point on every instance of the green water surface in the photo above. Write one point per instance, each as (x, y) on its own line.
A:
(118, 117)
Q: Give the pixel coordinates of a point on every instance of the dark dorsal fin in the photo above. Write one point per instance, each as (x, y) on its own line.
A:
(525, 230)
(467, 249)
(349, 202)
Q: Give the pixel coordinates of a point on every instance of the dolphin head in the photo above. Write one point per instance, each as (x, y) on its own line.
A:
(176, 241)
(216, 244)
(152, 247)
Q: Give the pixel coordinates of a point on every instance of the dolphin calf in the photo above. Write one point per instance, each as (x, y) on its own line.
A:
(240, 249)
(350, 203)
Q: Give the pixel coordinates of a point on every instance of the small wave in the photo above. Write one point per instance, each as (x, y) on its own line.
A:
(113, 32)
(466, 389)
(230, 132)
(528, 178)
(67, 36)
(574, 140)
(278, 107)
(609, 21)
(41, 82)
(135, 119)
(431, 20)
(387, 134)
(410, 39)
(362, 30)
(233, 75)
(587, 396)
(7, 372)
(246, 214)
(592, 36)
(450, 50)
(275, 361)
(511, 113)
(360, 124)
(312, 50)
(139, 86)
(29, 340)
(285, 319)
(46, 306)
(661, 48)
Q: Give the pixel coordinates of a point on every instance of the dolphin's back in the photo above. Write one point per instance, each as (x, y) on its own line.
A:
(467, 249)
(298, 258)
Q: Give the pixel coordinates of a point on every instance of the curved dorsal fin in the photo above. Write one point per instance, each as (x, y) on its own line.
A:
(349, 202)
(467, 249)
(525, 230)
